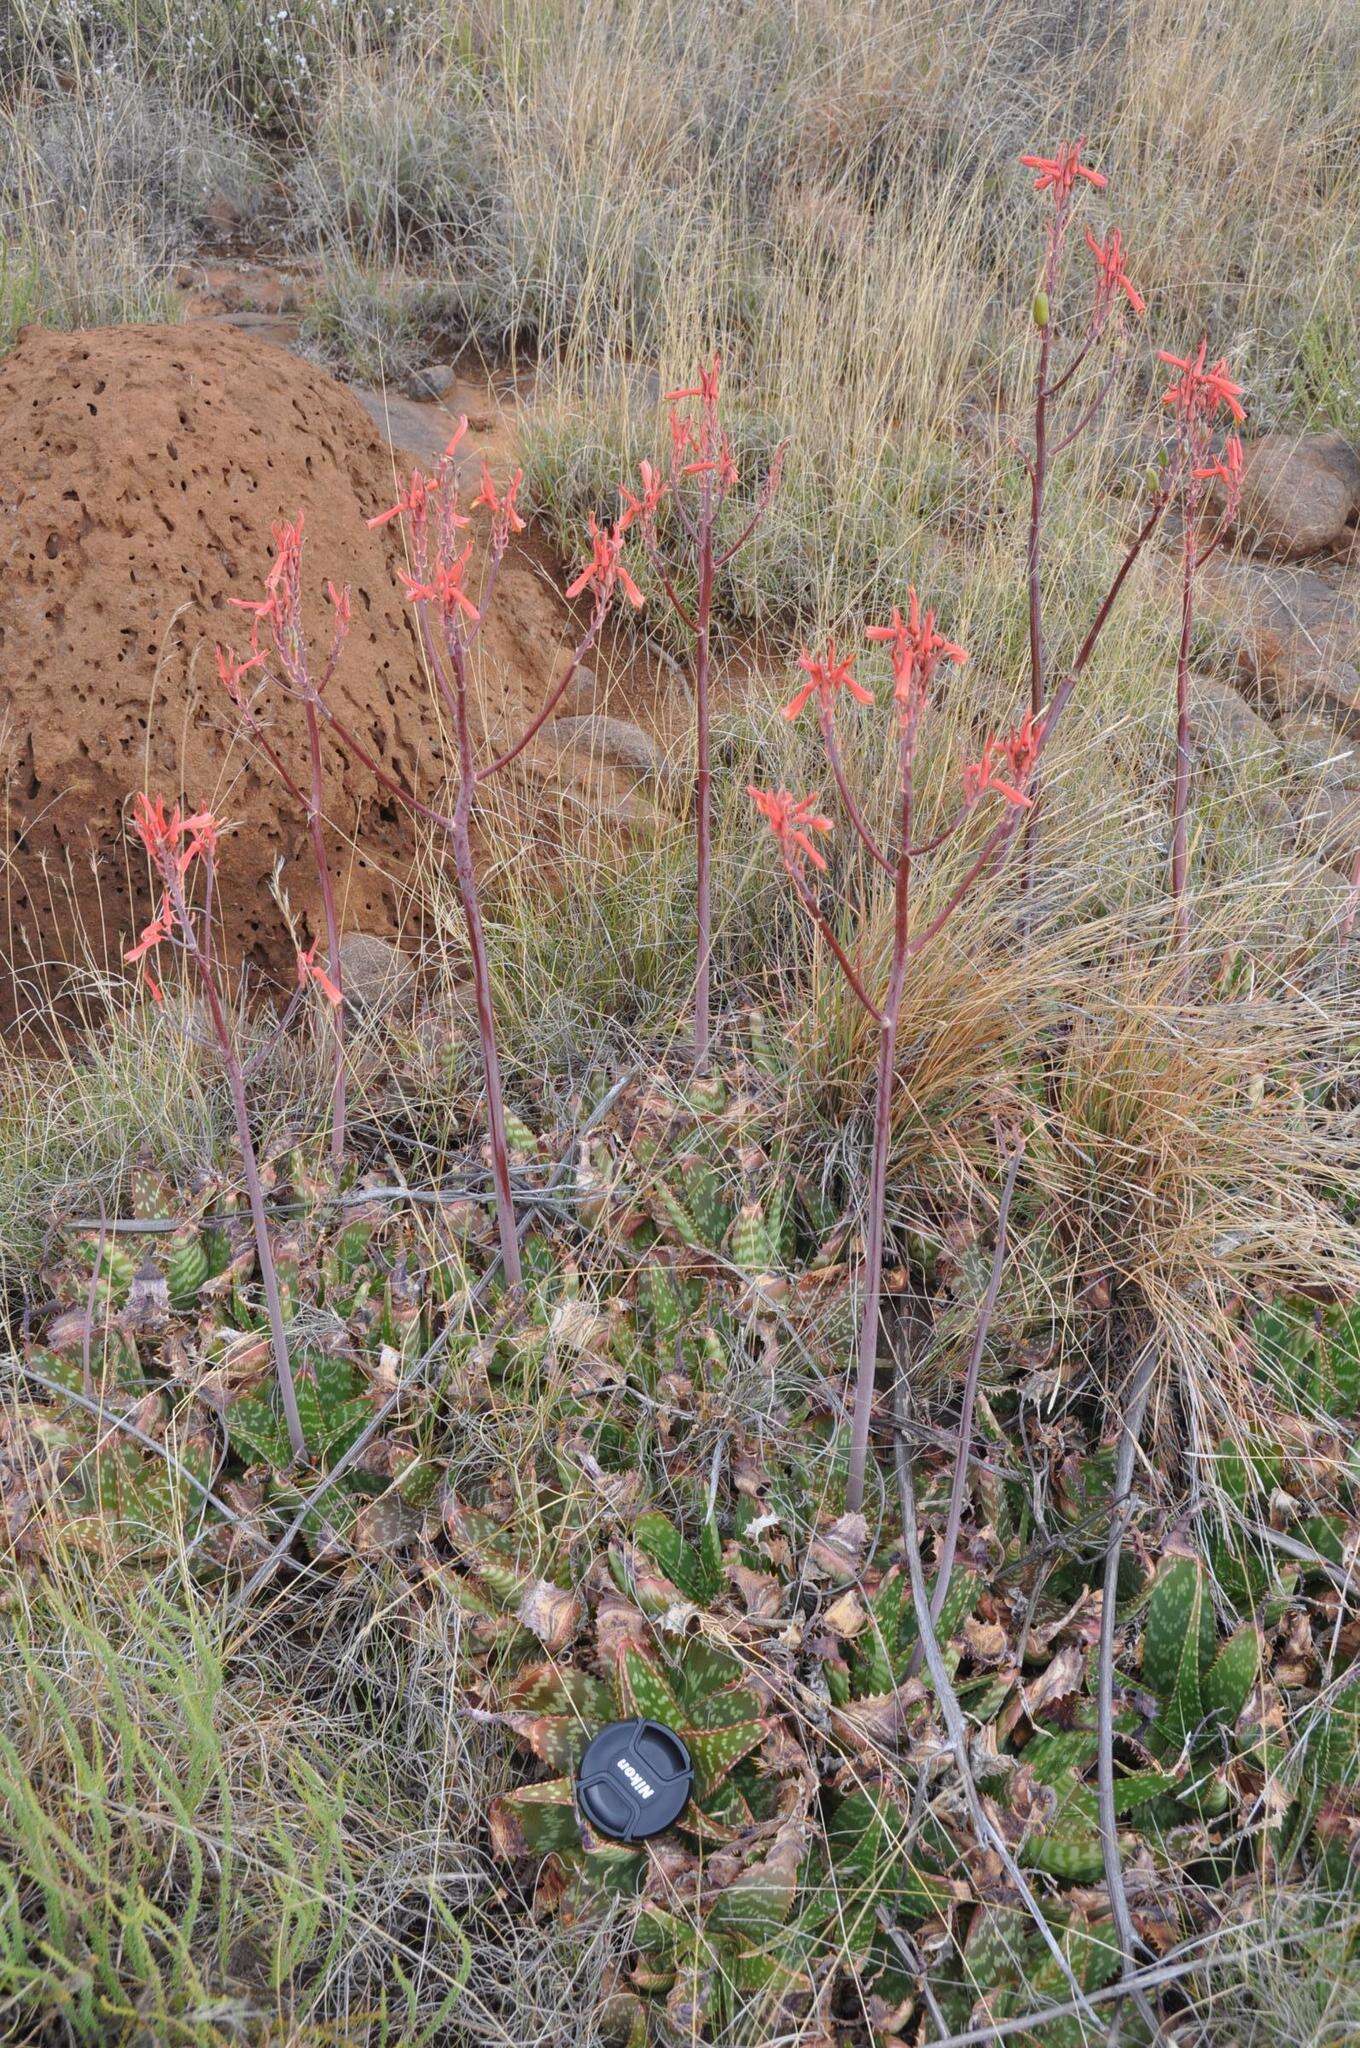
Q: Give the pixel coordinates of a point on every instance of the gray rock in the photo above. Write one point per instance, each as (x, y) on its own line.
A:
(618, 744)
(374, 972)
(1314, 748)
(1300, 495)
(427, 386)
(1329, 825)
(1227, 733)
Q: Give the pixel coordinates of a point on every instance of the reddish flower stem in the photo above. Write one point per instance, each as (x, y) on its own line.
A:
(199, 953)
(339, 1089)
(826, 720)
(1180, 804)
(703, 819)
(889, 1018)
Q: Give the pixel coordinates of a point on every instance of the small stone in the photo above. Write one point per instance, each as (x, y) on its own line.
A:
(617, 743)
(1314, 748)
(1227, 733)
(1300, 495)
(1329, 825)
(373, 972)
(427, 386)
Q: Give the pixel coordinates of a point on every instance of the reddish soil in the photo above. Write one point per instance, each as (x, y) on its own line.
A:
(141, 470)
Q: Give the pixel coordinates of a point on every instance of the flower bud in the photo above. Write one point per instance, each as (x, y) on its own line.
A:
(1041, 309)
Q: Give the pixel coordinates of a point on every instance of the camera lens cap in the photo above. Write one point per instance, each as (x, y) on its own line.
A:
(634, 1780)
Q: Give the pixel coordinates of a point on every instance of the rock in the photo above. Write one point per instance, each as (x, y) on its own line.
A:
(1329, 825)
(1314, 748)
(619, 745)
(373, 971)
(1294, 634)
(1300, 495)
(1227, 733)
(427, 386)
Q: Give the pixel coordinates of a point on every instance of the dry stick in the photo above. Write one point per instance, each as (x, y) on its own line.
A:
(970, 1387)
(249, 1164)
(1131, 1426)
(87, 1334)
(952, 1712)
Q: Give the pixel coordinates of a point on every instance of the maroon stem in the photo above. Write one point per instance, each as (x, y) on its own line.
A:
(249, 1164)
(1038, 479)
(703, 825)
(1180, 807)
(853, 812)
(1353, 899)
(813, 909)
(314, 826)
(481, 977)
(878, 1173)
(554, 698)
(970, 1387)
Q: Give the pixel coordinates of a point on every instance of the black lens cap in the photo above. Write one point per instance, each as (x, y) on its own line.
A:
(634, 1780)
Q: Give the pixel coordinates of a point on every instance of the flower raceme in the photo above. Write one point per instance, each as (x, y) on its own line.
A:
(654, 489)
(1058, 174)
(606, 567)
(1017, 753)
(827, 675)
(791, 819)
(1111, 276)
(173, 842)
(1202, 387)
(916, 652)
(443, 586)
(505, 516)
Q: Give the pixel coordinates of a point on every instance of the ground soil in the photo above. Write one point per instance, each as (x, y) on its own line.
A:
(141, 471)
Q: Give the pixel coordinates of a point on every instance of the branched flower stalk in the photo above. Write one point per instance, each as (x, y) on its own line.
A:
(1114, 296)
(1199, 391)
(449, 621)
(1004, 770)
(702, 476)
(175, 844)
(277, 619)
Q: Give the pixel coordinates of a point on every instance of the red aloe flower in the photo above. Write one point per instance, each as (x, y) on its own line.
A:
(153, 935)
(1201, 387)
(654, 489)
(1111, 276)
(606, 566)
(707, 387)
(917, 650)
(505, 517)
(444, 587)
(827, 676)
(164, 834)
(1018, 751)
(230, 671)
(339, 602)
(1227, 469)
(791, 819)
(411, 504)
(1059, 173)
(309, 970)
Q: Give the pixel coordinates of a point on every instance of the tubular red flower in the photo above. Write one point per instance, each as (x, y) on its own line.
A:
(505, 518)
(791, 819)
(606, 566)
(1111, 276)
(1201, 387)
(654, 489)
(1058, 174)
(827, 676)
(1018, 750)
(170, 837)
(707, 387)
(917, 650)
(308, 970)
(1227, 468)
(230, 671)
(444, 587)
